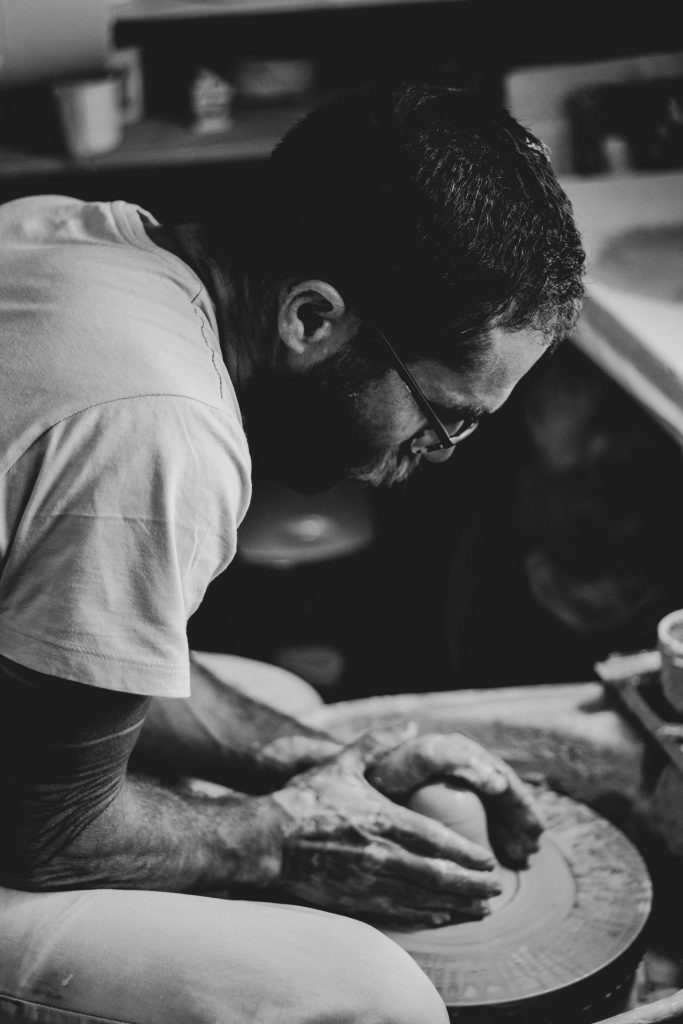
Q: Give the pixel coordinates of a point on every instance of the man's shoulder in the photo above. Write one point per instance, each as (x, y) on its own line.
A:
(43, 220)
(90, 321)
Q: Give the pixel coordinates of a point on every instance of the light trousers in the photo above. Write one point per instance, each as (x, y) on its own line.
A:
(140, 957)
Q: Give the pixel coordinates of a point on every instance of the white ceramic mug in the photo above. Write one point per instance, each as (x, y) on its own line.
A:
(89, 110)
(670, 643)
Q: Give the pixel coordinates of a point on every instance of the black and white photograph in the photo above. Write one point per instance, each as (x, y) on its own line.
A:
(341, 512)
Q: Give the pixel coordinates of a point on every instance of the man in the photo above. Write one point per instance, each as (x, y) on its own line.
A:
(416, 226)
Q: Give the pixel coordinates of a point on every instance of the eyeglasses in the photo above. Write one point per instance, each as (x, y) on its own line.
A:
(446, 440)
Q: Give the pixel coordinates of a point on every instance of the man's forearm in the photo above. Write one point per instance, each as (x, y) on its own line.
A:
(73, 815)
(154, 837)
(223, 735)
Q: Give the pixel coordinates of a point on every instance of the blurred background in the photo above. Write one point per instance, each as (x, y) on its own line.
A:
(554, 536)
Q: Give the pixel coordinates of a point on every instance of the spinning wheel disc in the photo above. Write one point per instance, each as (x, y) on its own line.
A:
(563, 939)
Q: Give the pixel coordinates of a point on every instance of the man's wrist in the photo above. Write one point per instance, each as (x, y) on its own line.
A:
(261, 825)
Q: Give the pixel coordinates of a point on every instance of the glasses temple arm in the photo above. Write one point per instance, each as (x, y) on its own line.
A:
(438, 427)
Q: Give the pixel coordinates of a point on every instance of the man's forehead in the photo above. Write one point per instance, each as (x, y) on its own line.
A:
(481, 391)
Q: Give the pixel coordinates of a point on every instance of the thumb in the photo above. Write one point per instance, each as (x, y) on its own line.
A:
(293, 754)
(370, 746)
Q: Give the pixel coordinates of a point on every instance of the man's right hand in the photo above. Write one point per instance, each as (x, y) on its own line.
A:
(350, 849)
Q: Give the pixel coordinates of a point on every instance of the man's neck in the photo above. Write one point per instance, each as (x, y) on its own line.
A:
(185, 242)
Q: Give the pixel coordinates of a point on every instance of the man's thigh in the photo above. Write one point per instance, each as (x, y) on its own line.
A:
(142, 957)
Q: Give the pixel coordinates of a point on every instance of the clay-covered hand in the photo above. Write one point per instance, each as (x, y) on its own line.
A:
(514, 824)
(347, 847)
(287, 755)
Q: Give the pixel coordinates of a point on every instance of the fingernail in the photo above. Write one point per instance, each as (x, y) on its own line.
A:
(477, 908)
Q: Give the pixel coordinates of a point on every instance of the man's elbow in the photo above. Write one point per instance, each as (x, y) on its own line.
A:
(31, 873)
(37, 865)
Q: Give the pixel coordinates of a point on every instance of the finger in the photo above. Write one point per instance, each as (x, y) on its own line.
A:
(370, 746)
(293, 754)
(421, 917)
(467, 761)
(434, 756)
(385, 912)
(431, 876)
(376, 885)
(409, 922)
(513, 851)
(481, 776)
(404, 900)
(514, 820)
(518, 800)
(528, 807)
(515, 825)
(379, 866)
(430, 838)
(517, 803)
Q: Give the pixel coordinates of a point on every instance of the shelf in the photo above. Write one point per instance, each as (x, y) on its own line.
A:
(158, 143)
(163, 10)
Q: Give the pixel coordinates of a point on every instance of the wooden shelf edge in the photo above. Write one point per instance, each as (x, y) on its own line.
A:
(166, 10)
(160, 143)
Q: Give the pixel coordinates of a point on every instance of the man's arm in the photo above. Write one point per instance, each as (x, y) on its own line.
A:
(221, 734)
(73, 817)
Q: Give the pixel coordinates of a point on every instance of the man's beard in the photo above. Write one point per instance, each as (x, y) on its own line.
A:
(393, 467)
(306, 429)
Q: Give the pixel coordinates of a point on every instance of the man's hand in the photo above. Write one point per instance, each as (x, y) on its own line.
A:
(514, 825)
(290, 755)
(349, 848)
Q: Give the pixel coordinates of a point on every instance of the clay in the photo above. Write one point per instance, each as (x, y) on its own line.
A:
(456, 806)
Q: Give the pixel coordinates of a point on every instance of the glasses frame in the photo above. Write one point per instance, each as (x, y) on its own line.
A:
(436, 424)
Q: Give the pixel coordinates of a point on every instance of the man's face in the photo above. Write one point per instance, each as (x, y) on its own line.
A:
(311, 428)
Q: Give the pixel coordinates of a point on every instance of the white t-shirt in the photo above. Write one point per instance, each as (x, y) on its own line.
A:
(124, 467)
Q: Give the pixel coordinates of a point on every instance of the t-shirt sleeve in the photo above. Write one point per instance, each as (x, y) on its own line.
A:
(126, 512)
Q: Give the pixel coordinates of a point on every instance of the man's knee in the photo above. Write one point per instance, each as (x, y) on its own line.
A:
(240, 961)
(307, 967)
(390, 987)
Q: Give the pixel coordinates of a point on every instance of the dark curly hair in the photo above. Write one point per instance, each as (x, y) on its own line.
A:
(432, 211)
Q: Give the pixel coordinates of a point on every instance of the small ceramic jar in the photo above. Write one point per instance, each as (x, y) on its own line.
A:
(670, 643)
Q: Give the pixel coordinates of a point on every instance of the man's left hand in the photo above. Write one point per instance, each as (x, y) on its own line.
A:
(514, 824)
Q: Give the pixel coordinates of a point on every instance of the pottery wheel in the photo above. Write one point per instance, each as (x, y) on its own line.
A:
(564, 937)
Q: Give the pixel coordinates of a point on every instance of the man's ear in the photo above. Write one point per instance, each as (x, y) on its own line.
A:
(312, 318)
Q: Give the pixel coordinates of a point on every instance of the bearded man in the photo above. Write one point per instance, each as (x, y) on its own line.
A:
(412, 257)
